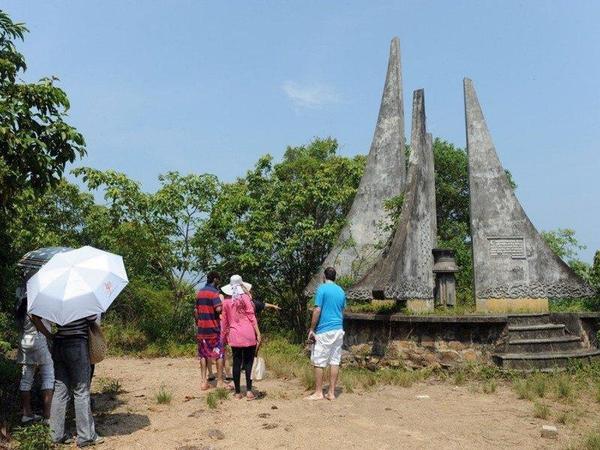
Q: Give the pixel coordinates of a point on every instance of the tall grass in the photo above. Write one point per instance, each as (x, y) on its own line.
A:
(285, 360)
(163, 396)
(215, 397)
(540, 410)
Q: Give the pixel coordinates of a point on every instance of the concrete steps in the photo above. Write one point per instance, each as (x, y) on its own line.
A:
(552, 344)
(534, 343)
(545, 361)
(537, 331)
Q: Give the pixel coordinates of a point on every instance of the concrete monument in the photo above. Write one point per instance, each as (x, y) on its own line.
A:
(513, 267)
(405, 271)
(358, 246)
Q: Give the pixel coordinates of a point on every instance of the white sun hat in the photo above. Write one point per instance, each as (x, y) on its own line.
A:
(235, 286)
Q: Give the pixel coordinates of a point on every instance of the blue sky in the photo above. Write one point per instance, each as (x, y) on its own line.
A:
(210, 86)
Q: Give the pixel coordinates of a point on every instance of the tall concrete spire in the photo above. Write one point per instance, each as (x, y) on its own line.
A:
(358, 246)
(513, 267)
(405, 272)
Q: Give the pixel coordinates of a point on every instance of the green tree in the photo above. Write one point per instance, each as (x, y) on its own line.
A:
(595, 271)
(564, 243)
(35, 141)
(452, 209)
(154, 232)
(276, 225)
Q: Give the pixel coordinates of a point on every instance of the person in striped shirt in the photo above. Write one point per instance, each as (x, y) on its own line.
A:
(71, 358)
(210, 348)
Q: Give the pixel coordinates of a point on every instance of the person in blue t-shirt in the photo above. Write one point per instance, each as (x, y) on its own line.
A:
(327, 334)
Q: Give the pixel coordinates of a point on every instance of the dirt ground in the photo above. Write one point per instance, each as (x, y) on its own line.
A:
(387, 417)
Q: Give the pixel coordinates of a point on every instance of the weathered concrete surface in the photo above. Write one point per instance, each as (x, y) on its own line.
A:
(359, 243)
(511, 261)
(405, 271)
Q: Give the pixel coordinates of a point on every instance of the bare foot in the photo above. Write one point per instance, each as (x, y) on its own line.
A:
(239, 396)
(315, 396)
(205, 387)
(330, 396)
(250, 395)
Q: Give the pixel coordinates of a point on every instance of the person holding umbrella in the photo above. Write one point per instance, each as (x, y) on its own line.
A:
(70, 290)
(72, 368)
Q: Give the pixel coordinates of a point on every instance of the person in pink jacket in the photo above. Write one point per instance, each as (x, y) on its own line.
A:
(239, 330)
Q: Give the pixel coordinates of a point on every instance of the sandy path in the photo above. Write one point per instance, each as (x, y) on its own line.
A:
(387, 417)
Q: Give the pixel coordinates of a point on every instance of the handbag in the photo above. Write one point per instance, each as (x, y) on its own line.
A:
(96, 344)
(28, 341)
(258, 368)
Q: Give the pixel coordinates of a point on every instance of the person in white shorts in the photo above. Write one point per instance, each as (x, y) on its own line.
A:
(327, 334)
(33, 355)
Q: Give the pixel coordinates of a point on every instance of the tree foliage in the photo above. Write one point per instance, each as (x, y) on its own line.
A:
(276, 225)
(35, 140)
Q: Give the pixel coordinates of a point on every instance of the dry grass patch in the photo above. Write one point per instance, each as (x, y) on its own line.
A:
(109, 386)
(163, 396)
(541, 411)
(214, 398)
(490, 386)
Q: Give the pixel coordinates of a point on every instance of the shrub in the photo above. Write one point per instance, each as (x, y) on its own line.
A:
(9, 379)
(489, 387)
(539, 385)
(540, 410)
(34, 437)
(460, 378)
(564, 388)
(163, 396)
(592, 441)
(109, 386)
(124, 338)
(522, 389)
(215, 397)
(566, 417)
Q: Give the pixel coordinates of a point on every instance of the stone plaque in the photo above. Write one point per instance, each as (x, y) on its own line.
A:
(507, 246)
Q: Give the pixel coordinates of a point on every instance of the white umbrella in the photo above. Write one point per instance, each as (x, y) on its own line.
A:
(76, 284)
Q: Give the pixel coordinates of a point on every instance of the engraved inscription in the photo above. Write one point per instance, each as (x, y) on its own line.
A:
(510, 246)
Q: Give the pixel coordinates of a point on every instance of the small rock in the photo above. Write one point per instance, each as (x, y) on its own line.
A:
(274, 407)
(456, 345)
(470, 355)
(216, 434)
(264, 415)
(449, 358)
(549, 432)
(423, 397)
(196, 413)
(270, 426)
(427, 341)
(388, 409)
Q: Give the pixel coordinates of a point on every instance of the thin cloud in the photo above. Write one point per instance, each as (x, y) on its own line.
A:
(313, 96)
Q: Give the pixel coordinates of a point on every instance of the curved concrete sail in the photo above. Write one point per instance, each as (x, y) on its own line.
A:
(513, 267)
(359, 243)
(405, 272)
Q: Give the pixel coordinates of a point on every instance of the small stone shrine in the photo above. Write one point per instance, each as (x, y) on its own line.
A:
(444, 268)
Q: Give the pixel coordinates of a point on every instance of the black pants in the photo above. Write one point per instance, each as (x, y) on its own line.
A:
(243, 357)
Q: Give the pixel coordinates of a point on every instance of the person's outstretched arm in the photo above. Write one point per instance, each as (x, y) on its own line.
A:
(39, 325)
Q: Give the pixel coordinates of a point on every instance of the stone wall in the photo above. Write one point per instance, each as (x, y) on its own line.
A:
(375, 341)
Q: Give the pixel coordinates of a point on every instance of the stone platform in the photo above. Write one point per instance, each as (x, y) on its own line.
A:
(517, 341)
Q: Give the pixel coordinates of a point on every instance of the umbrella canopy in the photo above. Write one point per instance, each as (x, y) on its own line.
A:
(76, 284)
